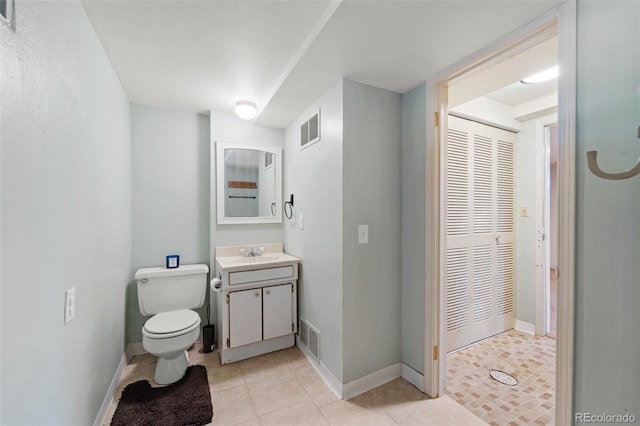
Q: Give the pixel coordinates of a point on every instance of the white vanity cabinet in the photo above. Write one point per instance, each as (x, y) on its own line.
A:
(256, 302)
(260, 314)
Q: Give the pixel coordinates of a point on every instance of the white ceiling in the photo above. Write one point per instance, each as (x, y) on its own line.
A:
(204, 55)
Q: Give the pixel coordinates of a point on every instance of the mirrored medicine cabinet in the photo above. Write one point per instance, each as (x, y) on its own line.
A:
(248, 183)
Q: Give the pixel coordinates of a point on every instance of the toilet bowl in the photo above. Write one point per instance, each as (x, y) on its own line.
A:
(168, 295)
(168, 335)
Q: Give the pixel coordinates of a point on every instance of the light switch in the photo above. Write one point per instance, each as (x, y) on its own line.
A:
(363, 234)
(301, 221)
(524, 211)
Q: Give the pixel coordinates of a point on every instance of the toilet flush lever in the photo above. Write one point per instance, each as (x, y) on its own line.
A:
(144, 281)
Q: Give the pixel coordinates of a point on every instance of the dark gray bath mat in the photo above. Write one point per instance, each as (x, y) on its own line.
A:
(185, 402)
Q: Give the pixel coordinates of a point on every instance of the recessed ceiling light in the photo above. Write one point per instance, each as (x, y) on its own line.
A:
(541, 77)
(246, 110)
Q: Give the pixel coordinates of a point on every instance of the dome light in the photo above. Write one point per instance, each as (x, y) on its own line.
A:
(246, 110)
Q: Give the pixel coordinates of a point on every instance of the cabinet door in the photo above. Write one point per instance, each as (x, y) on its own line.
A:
(245, 317)
(278, 311)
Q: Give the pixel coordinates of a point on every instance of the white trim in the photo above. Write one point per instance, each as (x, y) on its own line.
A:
(370, 381)
(525, 327)
(434, 376)
(108, 398)
(413, 377)
(567, 43)
(560, 21)
(542, 225)
(334, 384)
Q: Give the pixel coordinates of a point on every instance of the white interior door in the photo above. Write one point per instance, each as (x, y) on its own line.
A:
(480, 244)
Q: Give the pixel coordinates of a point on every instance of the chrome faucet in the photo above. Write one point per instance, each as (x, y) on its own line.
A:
(252, 252)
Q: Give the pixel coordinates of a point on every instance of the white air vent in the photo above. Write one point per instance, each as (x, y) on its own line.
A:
(310, 131)
(303, 332)
(310, 337)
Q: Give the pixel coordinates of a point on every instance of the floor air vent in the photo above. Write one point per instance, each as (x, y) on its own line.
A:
(310, 338)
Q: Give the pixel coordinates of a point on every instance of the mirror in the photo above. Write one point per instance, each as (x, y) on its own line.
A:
(248, 182)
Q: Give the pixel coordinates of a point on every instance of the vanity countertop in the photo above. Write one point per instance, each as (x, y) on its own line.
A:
(229, 259)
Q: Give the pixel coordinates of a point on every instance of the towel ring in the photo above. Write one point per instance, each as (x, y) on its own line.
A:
(592, 162)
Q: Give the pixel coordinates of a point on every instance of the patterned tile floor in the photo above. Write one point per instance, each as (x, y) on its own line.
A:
(530, 359)
(282, 388)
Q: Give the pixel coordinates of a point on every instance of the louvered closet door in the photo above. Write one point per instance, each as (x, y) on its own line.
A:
(480, 251)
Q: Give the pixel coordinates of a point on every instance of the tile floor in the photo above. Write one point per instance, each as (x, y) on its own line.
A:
(530, 359)
(282, 388)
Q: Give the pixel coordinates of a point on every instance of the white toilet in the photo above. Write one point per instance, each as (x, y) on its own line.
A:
(169, 295)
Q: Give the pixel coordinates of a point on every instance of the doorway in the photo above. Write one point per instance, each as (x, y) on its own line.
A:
(562, 20)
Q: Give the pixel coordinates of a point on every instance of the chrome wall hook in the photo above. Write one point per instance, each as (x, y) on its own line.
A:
(592, 162)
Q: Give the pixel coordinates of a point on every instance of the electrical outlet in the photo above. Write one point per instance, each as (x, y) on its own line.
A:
(363, 234)
(69, 305)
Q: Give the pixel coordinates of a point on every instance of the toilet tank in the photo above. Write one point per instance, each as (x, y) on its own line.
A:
(162, 290)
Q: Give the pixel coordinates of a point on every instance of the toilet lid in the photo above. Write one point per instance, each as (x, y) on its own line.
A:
(170, 322)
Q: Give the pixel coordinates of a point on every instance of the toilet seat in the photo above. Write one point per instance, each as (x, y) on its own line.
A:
(171, 324)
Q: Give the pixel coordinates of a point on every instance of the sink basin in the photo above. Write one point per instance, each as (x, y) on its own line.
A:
(267, 260)
(257, 259)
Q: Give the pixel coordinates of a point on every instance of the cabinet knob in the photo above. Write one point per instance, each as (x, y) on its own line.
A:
(256, 294)
(268, 291)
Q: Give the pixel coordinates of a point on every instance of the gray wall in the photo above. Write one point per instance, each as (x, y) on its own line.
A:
(314, 176)
(66, 216)
(372, 194)
(412, 294)
(525, 184)
(170, 174)
(608, 212)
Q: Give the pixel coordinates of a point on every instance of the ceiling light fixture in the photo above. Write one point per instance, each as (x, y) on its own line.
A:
(246, 110)
(541, 77)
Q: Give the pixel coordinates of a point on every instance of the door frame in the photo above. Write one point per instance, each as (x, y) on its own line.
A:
(542, 213)
(561, 20)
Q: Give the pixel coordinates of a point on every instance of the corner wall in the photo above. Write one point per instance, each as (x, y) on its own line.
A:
(372, 195)
(413, 277)
(315, 176)
(170, 184)
(66, 216)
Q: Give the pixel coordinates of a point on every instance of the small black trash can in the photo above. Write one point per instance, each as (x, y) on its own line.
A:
(208, 334)
(208, 338)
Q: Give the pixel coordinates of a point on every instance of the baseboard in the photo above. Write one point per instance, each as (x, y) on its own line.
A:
(525, 327)
(370, 381)
(108, 398)
(334, 384)
(413, 377)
